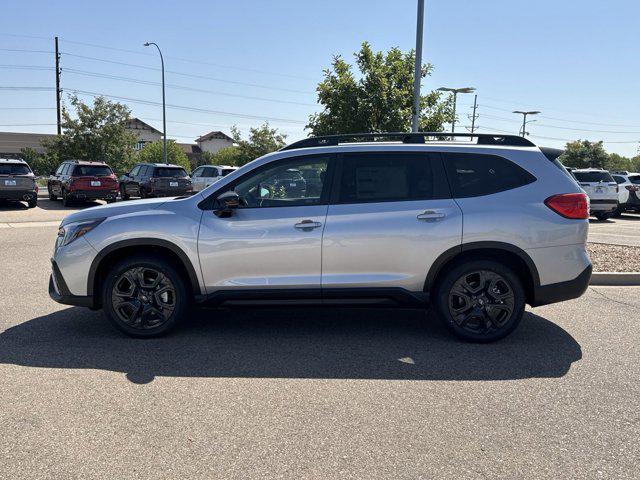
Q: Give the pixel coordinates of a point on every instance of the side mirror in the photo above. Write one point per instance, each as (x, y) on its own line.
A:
(226, 203)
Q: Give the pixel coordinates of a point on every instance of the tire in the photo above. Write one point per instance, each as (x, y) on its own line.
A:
(618, 211)
(603, 216)
(66, 201)
(52, 196)
(474, 323)
(110, 200)
(143, 193)
(124, 195)
(32, 203)
(140, 308)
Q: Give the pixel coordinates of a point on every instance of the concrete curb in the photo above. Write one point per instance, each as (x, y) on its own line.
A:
(615, 279)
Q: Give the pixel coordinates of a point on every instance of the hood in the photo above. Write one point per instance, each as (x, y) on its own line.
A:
(114, 209)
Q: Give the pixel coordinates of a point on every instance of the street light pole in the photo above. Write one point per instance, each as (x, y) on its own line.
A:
(164, 107)
(524, 119)
(455, 92)
(417, 72)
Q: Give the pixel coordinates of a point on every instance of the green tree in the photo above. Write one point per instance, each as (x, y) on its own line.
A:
(227, 156)
(585, 154)
(41, 164)
(618, 162)
(153, 153)
(262, 140)
(96, 132)
(379, 98)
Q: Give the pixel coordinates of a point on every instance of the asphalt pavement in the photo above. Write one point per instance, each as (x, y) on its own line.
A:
(311, 393)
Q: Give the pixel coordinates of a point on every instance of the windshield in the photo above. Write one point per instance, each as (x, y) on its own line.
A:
(14, 169)
(92, 171)
(593, 176)
(165, 172)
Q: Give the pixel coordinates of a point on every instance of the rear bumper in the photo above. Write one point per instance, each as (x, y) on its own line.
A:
(603, 205)
(93, 194)
(558, 292)
(20, 195)
(169, 192)
(59, 292)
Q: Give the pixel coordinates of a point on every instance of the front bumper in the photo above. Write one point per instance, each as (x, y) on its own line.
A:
(559, 292)
(59, 292)
(93, 194)
(19, 195)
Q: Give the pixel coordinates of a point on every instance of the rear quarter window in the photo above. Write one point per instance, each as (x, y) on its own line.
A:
(474, 175)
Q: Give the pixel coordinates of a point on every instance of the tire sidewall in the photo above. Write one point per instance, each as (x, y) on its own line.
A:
(182, 300)
(442, 300)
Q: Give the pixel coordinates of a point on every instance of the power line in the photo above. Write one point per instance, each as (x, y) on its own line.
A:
(186, 108)
(25, 67)
(27, 108)
(39, 89)
(205, 77)
(25, 124)
(24, 50)
(179, 87)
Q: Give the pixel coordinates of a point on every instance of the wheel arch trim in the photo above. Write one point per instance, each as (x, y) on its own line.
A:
(453, 252)
(140, 242)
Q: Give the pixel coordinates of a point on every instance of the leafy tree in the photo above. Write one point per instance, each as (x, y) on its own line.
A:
(618, 162)
(379, 98)
(585, 154)
(153, 153)
(41, 164)
(227, 156)
(96, 132)
(262, 140)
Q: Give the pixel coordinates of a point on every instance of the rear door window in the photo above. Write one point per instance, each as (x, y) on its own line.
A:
(474, 175)
(635, 179)
(618, 179)
(593, 176)
(390, 177)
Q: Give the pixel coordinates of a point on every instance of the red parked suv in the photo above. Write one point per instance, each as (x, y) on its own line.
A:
(83, 180)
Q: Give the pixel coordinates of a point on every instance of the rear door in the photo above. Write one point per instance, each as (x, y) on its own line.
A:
(390, 217)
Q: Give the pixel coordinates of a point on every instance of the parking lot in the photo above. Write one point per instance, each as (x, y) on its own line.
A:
(304, 393)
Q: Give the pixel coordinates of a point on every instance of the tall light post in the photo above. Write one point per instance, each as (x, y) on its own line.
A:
(455, 92)
(417, 71)
(524, 119)
(164, 107)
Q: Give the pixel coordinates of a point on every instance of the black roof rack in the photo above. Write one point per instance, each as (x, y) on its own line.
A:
(404, 137)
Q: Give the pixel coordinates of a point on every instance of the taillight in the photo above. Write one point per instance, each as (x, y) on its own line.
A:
(632, 188)
(569, 205)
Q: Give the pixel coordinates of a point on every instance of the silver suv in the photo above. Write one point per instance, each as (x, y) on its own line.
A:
(476, 229)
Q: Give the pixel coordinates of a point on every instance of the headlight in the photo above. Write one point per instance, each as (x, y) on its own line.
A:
(71, 231)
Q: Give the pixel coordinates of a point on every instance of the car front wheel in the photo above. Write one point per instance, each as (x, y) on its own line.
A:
(145, 296)
(481, 300)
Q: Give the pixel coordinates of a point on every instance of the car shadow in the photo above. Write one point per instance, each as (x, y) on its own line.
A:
(388, 344)
(9, 206)
(47, 204)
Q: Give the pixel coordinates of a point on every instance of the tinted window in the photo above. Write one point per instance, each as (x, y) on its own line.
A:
(635, 179)
(281, 185)
(135, 170)
(473, 175)
(91, 171)
(227, 171)
(14, 169)
(618, 178)
(389, 177)
(210, 172)
(593, 176)
(145, 170)
(169, 172)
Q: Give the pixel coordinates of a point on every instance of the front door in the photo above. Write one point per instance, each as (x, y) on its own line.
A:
(273, 240)
(391, 216)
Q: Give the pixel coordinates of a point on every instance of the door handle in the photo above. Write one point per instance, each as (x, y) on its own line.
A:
(431, 215)
(307, 225)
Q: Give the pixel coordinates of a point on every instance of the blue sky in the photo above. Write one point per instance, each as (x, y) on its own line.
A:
(575, 61)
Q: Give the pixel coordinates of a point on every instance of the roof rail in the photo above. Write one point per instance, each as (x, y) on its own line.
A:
(404, 137)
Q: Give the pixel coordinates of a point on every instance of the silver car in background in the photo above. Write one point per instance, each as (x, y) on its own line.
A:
(473, 229)
(601, 188)
(17, 182)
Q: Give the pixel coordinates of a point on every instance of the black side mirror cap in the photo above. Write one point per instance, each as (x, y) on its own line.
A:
(226, 203)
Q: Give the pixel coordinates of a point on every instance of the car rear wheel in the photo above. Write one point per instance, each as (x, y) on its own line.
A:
(52, 196)
(123, 193)
(32, 203)
(480, 300)
(145, 296)
(66, 200)
(603, 216)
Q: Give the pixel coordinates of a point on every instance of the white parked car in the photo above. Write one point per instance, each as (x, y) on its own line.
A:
(206, 175)
(628, 191)
(602, 190)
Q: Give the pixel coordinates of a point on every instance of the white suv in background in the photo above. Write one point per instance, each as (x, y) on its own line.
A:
(602, 190)
(628, 191)
(206, 175)
(382, 225)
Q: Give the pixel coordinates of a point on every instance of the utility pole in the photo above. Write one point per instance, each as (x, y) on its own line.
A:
(58, 90)
(417, 72)
(474, 116)
(455, 92)
(524, 119)
(164, 106)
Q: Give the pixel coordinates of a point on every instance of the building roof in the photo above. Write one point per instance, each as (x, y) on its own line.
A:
(214, 134)
(189, 148)
(137, 124)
